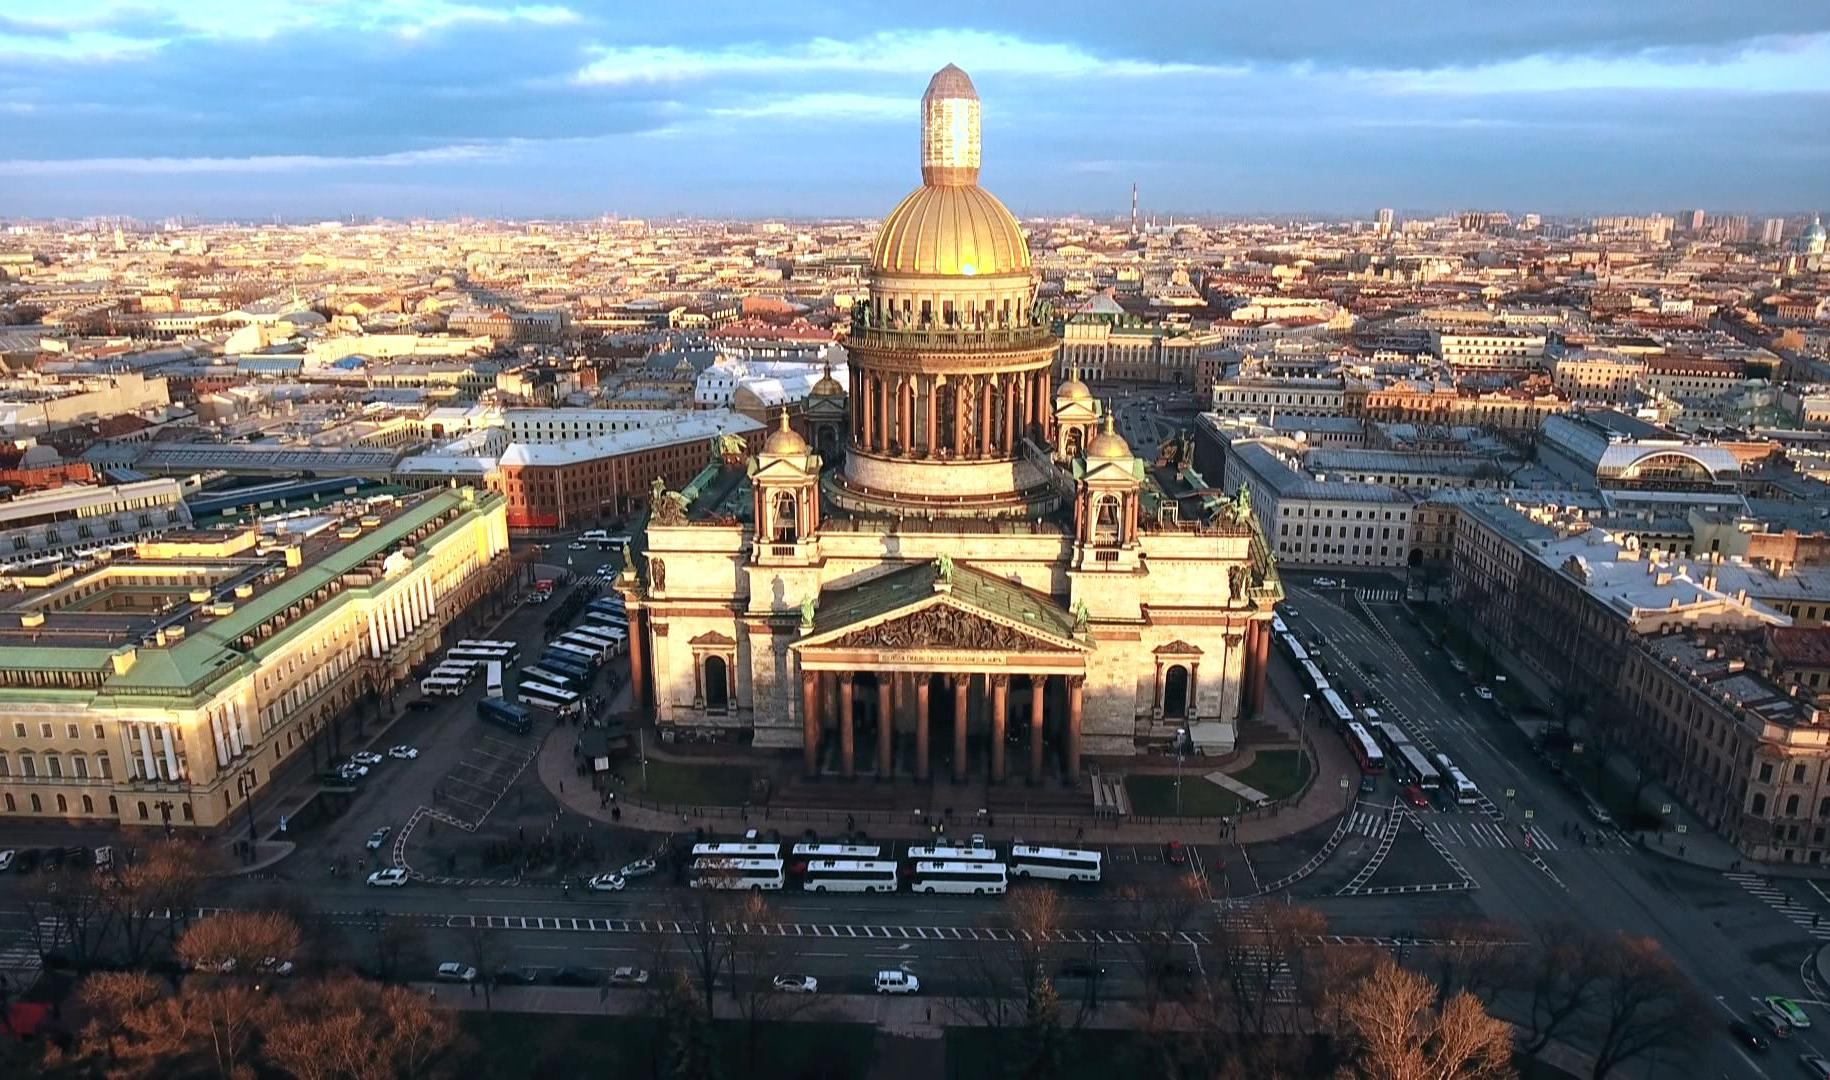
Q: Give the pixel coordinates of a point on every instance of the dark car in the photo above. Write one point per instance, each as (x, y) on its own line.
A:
(1081, 969)
(1746, 1035)
(575, 976)
(1175, 854)
(513, 976)
(28, 860)
(421, 705)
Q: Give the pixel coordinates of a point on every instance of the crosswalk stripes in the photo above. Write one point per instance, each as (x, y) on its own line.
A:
(1366, 822)
(1776, 898)
(1379, 596)
(19, 958)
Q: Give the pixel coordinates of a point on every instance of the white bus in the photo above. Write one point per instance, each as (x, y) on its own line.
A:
(723, 873)
(508, 650)
(597, 647)
(837, 851)
(550, 698)
(850, 875)
(1062, 864)
(1317, 681)
(737, 851)
(951, 854)
(602, 621)
(549, 677)
(1337, 709)
(1417, 768)
(465, 654)
(970, 878)
(1465, 791)
(610, 640)
(436, 685)
(495, 678)
(456, 669)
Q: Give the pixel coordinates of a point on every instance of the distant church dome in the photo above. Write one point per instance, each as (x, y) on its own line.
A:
(827, 386)
(1812, 240)
(1073, 390)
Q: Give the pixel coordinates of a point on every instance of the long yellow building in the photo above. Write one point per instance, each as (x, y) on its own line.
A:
(168, 686)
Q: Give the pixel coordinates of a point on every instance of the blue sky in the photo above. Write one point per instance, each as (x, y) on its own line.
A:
(322, 108)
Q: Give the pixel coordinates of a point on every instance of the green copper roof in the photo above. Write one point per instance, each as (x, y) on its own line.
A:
(972, 589)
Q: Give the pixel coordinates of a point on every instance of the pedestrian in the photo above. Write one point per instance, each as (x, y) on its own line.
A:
(473, 989)
(1080, 833)
(930, 1014)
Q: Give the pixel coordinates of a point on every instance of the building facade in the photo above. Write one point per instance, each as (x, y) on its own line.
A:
(179, 713)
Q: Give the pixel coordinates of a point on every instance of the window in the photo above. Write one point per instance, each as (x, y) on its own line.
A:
(44, 730)
(1175, 691)
(717, 687)
(75, 732)
(63, 805)
(99, 732)
(1759, 806)
(1766, 774)
(37, 805)
(143, 814)
(88, 805)
(54, 766)
(1792, 806)
(102, 767)
(18, 730)
(28, 765)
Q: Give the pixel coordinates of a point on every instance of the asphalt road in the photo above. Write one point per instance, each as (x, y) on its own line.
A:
(1736, 945)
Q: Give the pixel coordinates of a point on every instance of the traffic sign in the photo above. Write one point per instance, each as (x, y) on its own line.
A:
(1510, 793)
(1343, 781)
(1529, 814)
(1682, 829)
(1664, 808)
(1575, 748)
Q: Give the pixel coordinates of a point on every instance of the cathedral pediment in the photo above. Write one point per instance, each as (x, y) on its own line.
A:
(712, 637)
(1178, 647)
(944, 626)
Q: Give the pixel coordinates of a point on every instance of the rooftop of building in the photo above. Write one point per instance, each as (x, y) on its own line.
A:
(1717, 665)
(212, 600)
(670, 431)
(1284, 481)
(1418, 462)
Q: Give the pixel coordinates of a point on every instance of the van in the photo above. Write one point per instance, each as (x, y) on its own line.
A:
(1465, 791)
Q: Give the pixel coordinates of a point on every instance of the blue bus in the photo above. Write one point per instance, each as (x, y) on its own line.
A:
(566, 664)
(504, 714)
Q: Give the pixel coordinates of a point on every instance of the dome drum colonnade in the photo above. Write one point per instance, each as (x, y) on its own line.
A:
(951, 361)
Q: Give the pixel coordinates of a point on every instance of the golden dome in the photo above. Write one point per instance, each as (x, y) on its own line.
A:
(1109, 445)
(827, 386)
(950, 230)
(1073, 390)
(784, 440)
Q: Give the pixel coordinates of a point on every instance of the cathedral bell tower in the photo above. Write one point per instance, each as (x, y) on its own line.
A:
(785, 476)
(1108, 484)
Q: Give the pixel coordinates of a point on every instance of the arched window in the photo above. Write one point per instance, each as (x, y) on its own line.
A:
(187, 812)
(1073, 441)
(1105, 520)
(63, 805)
(787, 526)
(143, 814)
(10, 805)
(6, 768)
(1175, 691)
(37, 805)
(1791, 806)
(717, 694)
(88, 805)
(1759, 804)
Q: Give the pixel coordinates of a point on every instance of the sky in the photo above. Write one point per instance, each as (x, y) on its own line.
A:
(309, 109)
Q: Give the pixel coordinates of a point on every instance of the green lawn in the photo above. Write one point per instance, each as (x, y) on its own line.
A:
(626, 1047)
(1277, 773)
(689, 785)
(1155, 794)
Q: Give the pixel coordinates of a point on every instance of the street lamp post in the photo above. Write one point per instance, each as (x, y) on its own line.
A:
(1181, 748)
(165, 815)
(245, 785)
(1307, 699)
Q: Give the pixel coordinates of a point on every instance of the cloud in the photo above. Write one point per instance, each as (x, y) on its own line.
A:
(1769, 65)
(470, 153)
(900, 52)
(827, 106)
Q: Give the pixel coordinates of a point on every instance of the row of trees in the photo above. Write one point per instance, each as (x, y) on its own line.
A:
(1270, 996)
(231, 1018)
(121, 915)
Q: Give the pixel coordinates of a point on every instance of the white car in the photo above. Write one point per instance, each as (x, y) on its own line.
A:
(629, 976)
(378, 838)
(636, 869)
(1326, 583)
(797, 984)
(6, 859)
(1483, 693)
(404, 753)
(353, 768)
(897, 982)
(578, 546)
(452, 971)
(273, 965)
(391, 878)
(607, 883)
(366, 757)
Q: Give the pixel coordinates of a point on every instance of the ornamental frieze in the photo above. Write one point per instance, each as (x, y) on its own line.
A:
(945, 628)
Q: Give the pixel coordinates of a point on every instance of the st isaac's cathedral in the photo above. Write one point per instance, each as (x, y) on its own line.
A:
(960, 569)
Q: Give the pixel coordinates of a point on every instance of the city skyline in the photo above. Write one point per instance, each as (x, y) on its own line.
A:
(337, 109)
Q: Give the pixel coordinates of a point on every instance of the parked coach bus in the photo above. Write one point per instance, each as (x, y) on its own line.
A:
(1061, 864)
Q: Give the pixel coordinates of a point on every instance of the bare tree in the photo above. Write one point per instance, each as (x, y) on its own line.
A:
(151, 895)
(1397, 1032)
(69, 913)
(480, 946)
(349, 1028)
(707, 947)
(1644, 1003)
(756, 957)
(1475, 955)
(237, 942)
(1263, 962)
(1562, 978)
